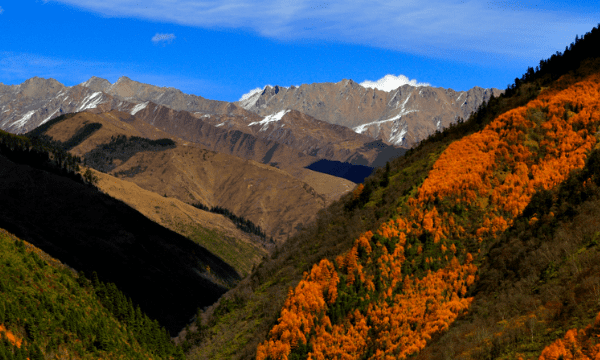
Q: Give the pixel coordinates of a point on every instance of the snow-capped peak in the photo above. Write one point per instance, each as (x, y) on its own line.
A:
(391, 82)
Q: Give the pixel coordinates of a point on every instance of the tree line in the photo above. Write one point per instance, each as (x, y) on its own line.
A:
(241, 223)
(122, 148)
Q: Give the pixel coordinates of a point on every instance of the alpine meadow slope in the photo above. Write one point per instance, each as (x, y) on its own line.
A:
(388, 269)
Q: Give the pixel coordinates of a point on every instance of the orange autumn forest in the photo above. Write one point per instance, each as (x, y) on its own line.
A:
(408, 281)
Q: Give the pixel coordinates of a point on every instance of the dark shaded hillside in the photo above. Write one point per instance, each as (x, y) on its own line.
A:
(387, 152)
(168, 275)
(354, 173)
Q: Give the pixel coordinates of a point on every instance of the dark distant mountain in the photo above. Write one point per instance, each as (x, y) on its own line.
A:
(400, 117)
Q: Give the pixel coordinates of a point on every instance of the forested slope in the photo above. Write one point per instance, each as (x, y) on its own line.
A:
(397, 261)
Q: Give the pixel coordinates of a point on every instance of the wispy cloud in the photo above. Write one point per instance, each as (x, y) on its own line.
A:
(1, 10)
(435, 28)
(163, 38)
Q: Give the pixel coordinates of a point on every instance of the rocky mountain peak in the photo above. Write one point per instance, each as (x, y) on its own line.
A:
(97, 84)
(40, 88)
(401, 117)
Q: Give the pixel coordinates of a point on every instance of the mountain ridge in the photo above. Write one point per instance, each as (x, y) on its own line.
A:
(392, 116)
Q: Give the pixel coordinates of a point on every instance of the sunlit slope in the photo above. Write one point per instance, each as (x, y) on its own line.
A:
(46, 311)
(408, 281)
(215, 232)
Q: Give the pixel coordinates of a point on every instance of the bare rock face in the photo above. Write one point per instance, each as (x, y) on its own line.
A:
(97, 84)
(133, 91)
(26, 106)
(400, 117)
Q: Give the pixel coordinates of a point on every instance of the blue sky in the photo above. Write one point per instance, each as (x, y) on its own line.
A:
(223, 49)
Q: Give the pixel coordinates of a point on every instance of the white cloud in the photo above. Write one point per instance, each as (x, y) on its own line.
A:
(163, 38)
(391, 82)
(464, 30)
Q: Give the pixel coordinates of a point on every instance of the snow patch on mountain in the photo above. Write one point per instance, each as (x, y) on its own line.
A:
(21, 122)
(397, 134)
(391, 82)
(362, 128)
(91, 101)
(249, 99)
(139, 107)
(49, 117)
(269, 119)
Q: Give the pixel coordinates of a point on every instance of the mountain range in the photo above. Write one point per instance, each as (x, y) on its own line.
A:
(401, 117)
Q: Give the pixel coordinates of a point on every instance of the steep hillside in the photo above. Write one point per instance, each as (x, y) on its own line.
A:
(47, 311)
(168, 275)
(388, 287)
(401, 117)
(409, 279)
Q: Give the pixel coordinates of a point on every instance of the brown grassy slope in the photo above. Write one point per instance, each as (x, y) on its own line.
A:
(113, 123)
(269, 197)
(215, 232)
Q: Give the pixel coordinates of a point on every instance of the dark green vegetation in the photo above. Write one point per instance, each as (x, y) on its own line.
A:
(581, 50)
(245, 225)
(243, 317)
(40, 154)
(122, 148)
(51, 311)
(161, 271)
